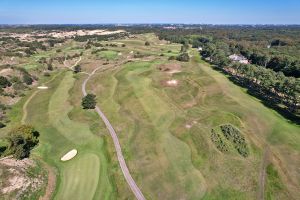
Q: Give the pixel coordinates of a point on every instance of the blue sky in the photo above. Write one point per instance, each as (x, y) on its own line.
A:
(154, 11)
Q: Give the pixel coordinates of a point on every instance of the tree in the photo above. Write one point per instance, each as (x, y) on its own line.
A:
(77, 69)
(50, 67)
(22, 140)
(220, 59)
(89, 101)
(4, 82)
(147, 43)
(2, 125)
(27, 79)
(208, 50)
(184, 48)
(184, 57)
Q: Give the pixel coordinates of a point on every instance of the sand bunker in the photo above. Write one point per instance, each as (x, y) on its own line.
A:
(42, 87)
(68, 156)
(172, 83)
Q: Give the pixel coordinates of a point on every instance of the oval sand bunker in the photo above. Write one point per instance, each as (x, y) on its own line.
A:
(42, 87)
(68, 156)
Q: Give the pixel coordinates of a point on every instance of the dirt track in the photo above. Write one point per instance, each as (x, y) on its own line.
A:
(133, 186)
(262, 175)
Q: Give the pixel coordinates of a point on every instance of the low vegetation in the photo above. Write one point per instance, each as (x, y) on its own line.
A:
(235, 136)
(216, 138)
(22, 179)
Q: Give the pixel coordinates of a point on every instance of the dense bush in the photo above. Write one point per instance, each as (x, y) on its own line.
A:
(49, 67)
(27, 79)
(184, 57)
(89, 101)
(22, 140)
(235, 136)
(2, 125)
(77, 69)
(217, 140)
(4, 82)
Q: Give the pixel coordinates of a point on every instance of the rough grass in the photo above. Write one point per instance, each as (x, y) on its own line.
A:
(147, 120)
(274, 188)
(147, 115)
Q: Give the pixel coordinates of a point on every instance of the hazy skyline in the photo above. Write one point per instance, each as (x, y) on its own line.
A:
(155, 11)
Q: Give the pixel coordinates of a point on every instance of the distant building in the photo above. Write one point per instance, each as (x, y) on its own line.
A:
(170, 27)
(239, 58)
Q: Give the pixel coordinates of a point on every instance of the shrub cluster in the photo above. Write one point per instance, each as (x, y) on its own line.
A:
(21, 141)
(235, 136)
(217, 140)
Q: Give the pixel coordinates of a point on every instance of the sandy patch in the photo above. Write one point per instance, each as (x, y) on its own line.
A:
(42, 87)
(172, 83)
(16, 180)
(188, 126)
(68, 156)
(6, 71)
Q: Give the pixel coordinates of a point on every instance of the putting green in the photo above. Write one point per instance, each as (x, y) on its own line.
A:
(78, 177)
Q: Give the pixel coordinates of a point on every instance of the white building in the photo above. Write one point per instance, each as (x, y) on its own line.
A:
(239, 58)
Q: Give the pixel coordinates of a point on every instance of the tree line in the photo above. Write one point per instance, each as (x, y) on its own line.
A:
(273, 77)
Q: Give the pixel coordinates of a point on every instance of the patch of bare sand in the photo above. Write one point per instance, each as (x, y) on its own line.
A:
(172, 83)
(68, 156)
(17, 180)
(6, 71)
(42, 87)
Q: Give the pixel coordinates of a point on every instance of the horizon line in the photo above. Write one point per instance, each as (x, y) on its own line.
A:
(156, 23)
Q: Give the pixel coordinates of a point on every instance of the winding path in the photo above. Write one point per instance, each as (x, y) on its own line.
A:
(133, 186)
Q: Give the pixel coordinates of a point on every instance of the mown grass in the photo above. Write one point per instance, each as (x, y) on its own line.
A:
(109, 55)
(81, 177)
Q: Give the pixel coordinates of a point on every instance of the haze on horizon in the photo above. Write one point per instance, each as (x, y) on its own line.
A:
(154, 11)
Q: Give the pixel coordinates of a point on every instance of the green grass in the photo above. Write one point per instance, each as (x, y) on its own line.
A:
(81, 177)
(165, 132)
(274, 186)
(151, 119)
(110, 55)
(148, 117)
